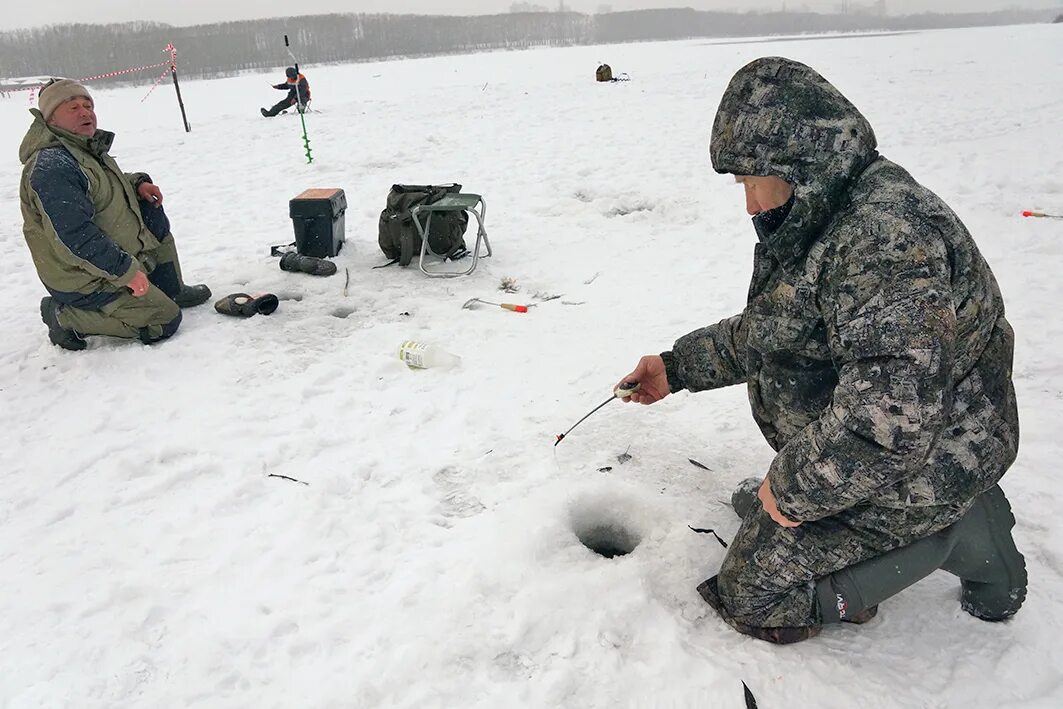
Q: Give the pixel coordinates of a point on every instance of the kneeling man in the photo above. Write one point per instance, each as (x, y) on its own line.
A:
(99, 237)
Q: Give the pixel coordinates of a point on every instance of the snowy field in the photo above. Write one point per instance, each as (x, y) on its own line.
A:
(147, 559)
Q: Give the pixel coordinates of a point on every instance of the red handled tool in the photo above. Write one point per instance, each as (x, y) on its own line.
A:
(506, 306)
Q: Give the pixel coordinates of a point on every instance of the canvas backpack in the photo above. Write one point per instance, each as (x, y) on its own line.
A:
(398, 236)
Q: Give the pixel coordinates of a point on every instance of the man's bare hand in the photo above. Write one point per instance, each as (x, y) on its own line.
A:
(150, 193)
(767, 499)
(139, 285)
(652, 380)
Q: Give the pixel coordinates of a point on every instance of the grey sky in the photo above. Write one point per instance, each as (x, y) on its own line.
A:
(191, 12)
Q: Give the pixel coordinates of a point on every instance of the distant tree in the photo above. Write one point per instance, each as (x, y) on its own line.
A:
(224, 49)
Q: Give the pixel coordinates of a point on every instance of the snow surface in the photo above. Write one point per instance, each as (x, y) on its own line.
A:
(147, 559)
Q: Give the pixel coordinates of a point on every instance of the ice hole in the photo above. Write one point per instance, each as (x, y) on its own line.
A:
(607, 524)
(608, 539)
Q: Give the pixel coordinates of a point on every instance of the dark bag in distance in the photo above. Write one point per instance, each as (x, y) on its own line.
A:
(398, 236)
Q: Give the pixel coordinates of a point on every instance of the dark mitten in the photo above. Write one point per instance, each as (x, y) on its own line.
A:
(307, 264)
(242, 305)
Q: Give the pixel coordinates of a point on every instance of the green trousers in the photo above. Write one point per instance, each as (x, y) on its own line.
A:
(151, 317)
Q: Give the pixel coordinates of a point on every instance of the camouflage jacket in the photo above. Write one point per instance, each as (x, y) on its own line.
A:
(873, 344)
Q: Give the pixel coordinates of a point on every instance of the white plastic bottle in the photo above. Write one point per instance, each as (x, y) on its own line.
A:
(422, 355)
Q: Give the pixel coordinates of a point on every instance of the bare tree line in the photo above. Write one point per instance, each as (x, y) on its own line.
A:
(79, 50)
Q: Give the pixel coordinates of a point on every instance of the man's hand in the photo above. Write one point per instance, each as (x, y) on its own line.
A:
(652, 379)
(767, 499)
(150, 193)
(139, 284)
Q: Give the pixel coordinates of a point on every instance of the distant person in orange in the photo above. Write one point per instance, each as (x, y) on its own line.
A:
(298, 93)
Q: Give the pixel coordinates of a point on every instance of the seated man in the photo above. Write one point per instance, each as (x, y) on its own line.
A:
(298, 93)
(878, 363)
(99, 237)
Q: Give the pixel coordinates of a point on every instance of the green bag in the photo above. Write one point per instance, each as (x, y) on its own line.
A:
(398, 236)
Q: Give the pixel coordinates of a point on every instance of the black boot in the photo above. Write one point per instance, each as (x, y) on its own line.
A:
(992, 571)
(242, 305)
(307, 264)
(276, 108)
(59, 335)
(191, 296)
(979, 549)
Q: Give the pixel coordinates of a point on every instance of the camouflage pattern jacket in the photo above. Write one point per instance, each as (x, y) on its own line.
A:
(873, 344)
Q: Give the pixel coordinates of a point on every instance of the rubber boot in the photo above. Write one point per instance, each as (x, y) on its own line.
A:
(242, 305)
(191, 296)
(59, 335)
(992, 571)
(979, 549)
(307, 264)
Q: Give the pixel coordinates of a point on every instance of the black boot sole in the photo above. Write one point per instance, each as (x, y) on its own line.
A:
(57, 334)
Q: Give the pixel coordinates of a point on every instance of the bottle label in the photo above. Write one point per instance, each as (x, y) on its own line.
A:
(412, 353)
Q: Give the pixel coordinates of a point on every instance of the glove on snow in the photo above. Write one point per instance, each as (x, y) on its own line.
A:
(242, 305)
(307, 264)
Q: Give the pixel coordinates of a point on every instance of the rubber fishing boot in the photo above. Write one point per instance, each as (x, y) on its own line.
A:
(242, 305)
(307, 264)
(191, 296)
(979, 549)
(59, 335)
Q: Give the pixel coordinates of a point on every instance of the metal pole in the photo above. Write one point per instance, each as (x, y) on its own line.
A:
(176, 86)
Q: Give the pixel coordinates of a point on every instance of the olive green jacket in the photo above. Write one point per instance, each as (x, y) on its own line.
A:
(81, 216)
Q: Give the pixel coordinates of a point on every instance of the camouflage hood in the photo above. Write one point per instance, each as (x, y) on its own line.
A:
(779, 117)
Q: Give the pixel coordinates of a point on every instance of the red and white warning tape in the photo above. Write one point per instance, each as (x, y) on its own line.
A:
(168, 64)
(123, 71)
(153, 86)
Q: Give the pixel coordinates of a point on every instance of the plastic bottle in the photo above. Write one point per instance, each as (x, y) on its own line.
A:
(422, 355)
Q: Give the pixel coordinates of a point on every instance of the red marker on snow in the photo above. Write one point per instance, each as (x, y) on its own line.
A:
(1028, 213)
